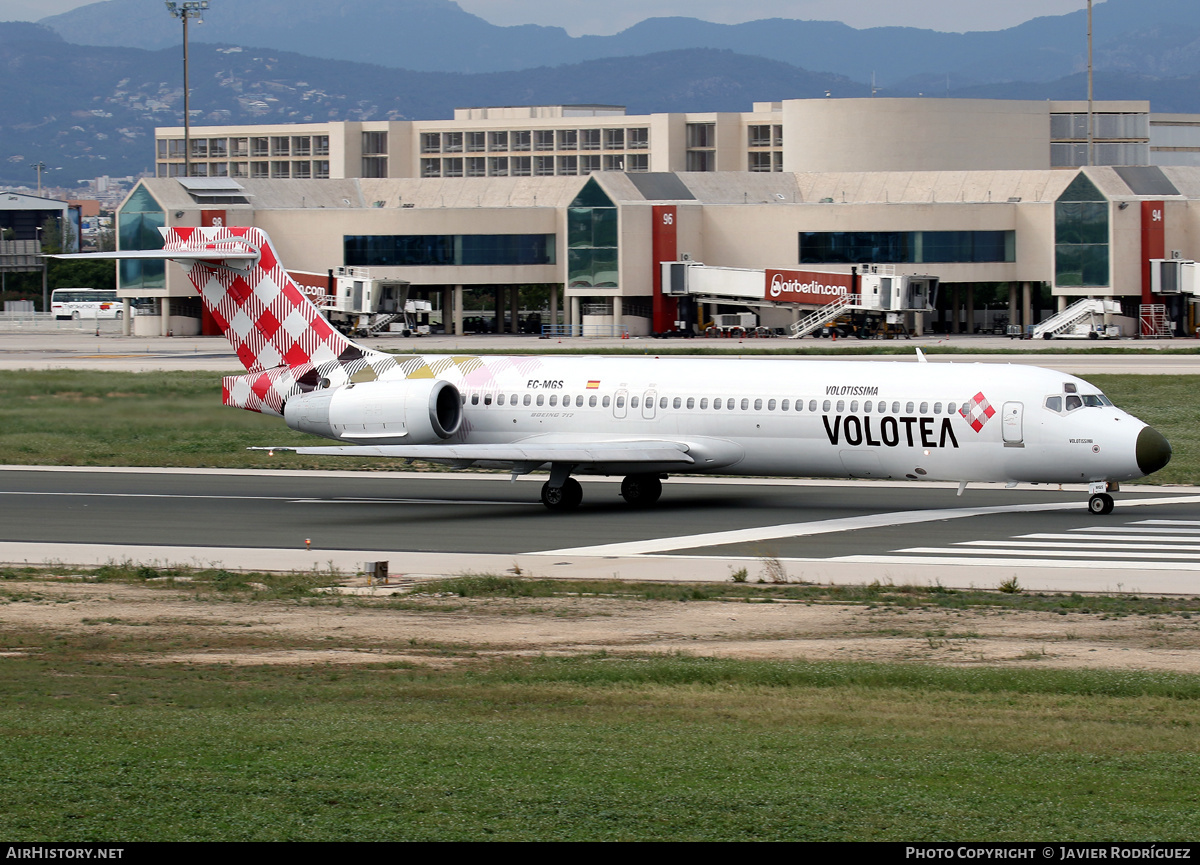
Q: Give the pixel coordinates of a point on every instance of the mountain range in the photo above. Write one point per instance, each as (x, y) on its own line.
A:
(1149, 37)
(87, 88)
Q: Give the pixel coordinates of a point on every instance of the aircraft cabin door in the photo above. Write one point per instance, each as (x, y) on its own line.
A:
(648, 404)
(620, 403)
(1010, 423)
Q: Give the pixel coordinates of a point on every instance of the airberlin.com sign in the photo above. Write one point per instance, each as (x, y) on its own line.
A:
(806, 286)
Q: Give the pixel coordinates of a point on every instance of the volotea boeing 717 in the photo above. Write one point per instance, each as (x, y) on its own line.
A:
(644, 418)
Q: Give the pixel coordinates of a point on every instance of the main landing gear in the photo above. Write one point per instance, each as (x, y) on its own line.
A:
(562, 498)
(564, 493)
(641, 491)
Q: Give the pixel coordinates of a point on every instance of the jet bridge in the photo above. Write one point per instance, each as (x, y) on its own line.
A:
(875, 290)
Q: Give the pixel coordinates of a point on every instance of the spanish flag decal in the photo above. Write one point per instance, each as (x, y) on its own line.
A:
(594, 384)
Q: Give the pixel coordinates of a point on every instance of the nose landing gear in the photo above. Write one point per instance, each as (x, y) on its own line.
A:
(1101, 502)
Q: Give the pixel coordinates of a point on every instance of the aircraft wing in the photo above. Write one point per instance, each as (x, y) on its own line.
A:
(530, 454)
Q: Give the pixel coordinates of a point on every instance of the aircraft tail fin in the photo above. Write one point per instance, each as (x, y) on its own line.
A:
(281, 338)
(286, 345)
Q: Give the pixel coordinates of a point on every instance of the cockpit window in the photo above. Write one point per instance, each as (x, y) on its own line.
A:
(1054, 403)
(1073, 402)
(1093, 399)
(1069, 387)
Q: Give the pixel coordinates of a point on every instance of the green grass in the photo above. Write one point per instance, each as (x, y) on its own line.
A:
(68, 417)
(665, 748)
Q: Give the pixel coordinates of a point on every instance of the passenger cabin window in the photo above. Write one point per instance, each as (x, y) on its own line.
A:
(854, 405)
(606, 401)
(633, 402)
(812, 405)
(526, 400)
(487, 399)
(474, 399)
(541, 399)
(677, 403)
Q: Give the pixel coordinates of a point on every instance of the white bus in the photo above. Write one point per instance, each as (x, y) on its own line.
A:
(80, 303)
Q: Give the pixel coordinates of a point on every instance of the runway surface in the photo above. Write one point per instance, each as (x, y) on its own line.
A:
(703, 529)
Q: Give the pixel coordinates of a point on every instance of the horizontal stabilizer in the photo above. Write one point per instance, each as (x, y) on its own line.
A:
(194, 254)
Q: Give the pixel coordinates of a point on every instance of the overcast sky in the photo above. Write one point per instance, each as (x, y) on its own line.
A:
(610, 16)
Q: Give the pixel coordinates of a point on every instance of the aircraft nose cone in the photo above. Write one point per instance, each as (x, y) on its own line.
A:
(1153, 450)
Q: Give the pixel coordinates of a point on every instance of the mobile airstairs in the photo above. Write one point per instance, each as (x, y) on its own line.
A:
(1079, 320)
(824, 315)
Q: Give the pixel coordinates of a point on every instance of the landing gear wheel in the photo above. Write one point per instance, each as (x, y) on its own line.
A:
(641, 491)
(564, 498)
(1101, 504)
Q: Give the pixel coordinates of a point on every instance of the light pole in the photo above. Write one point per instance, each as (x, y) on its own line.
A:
(184, 11)
(1091, 133)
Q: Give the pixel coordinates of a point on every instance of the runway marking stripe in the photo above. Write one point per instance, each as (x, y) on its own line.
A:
(1146, 530)
(1168, 523)
(1001, 551)
(819, 527)
(1074, 540)
(1085, 545)
(146, 496)
(289, 499)
(966, 561)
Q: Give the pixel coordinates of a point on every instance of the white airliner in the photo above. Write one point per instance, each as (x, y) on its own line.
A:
(644, 417)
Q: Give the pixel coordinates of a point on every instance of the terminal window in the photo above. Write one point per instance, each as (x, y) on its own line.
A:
(906, 247)
(425, 250)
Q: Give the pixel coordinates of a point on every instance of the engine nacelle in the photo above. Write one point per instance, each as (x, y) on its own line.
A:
(408, 411)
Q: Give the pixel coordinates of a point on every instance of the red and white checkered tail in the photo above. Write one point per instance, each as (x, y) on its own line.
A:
(281, 338)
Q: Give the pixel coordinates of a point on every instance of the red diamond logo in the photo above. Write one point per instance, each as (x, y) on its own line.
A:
(977, 411)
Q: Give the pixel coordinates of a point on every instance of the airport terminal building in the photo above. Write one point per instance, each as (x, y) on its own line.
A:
(787, 136)
(988, 196)
(1029, 241)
